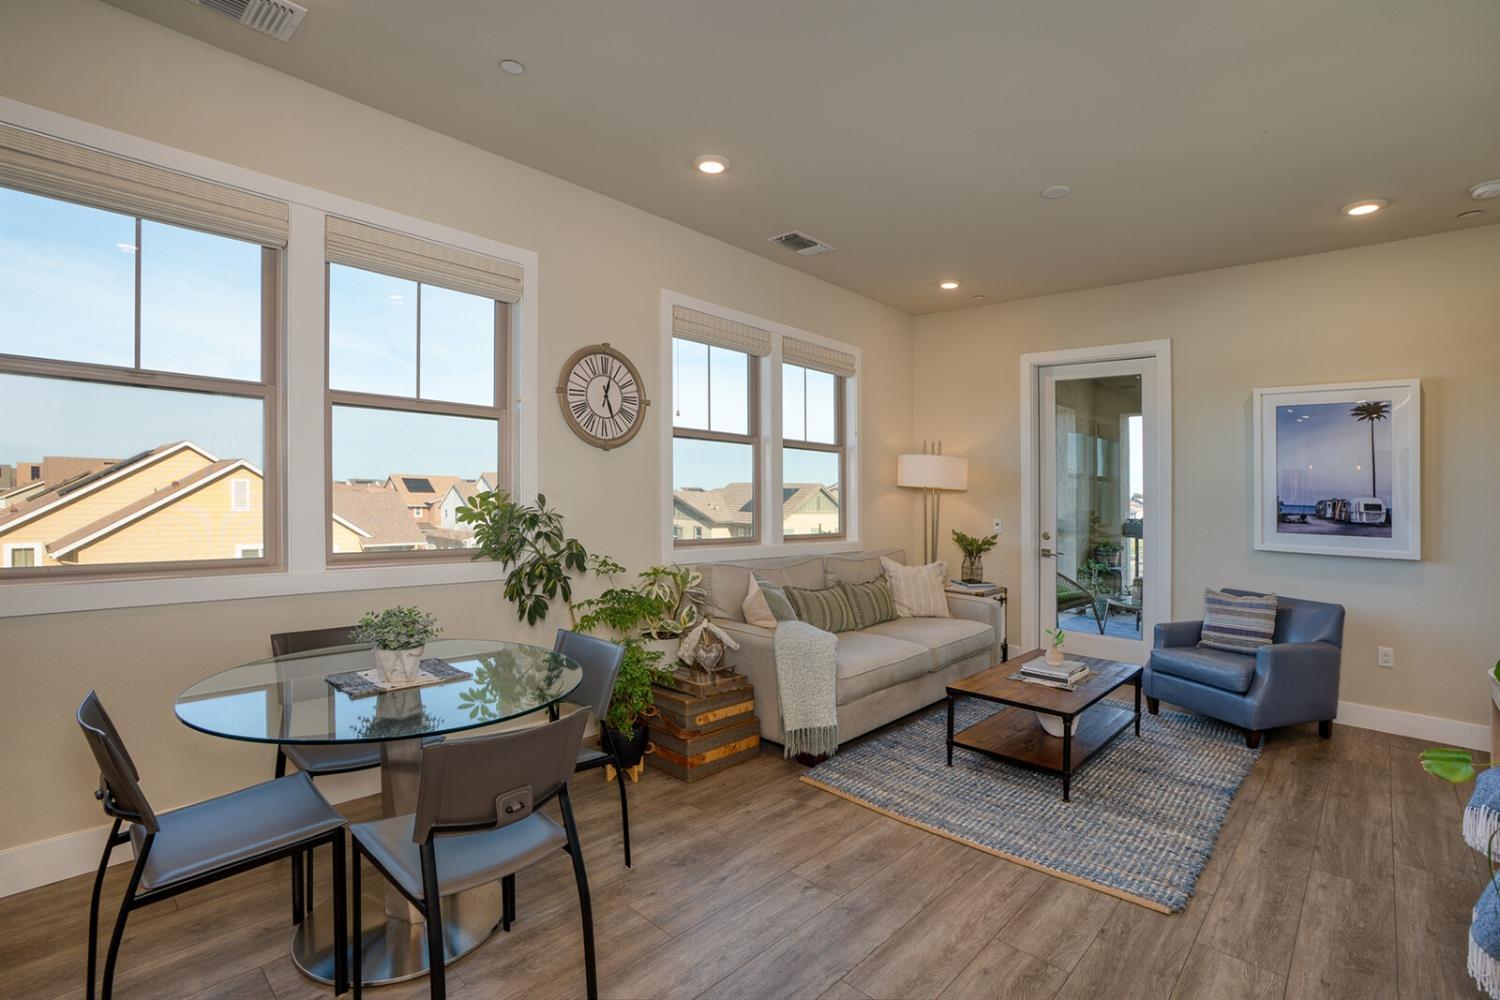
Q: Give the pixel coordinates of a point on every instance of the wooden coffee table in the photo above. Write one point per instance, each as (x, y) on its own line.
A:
(1014, 734)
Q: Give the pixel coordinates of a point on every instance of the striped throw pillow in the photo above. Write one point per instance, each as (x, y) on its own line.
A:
(828, 610)
(917, 590)
(1237, 624)
(872, 602)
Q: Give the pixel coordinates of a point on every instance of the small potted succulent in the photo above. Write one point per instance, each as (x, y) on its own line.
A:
(973, 549)
(399, 636)
(1055, 651)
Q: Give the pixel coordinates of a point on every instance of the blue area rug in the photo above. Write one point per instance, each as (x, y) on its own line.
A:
(1143, 820)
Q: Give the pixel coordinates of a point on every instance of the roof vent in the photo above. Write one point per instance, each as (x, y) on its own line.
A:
(277, 18)
(802, 243)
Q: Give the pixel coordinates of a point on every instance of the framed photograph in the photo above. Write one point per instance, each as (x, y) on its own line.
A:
(1338, 469)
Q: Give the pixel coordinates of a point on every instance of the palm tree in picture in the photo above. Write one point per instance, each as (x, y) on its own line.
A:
(1370, 412)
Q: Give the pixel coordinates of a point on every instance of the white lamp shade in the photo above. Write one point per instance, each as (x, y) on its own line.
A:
(932, 472)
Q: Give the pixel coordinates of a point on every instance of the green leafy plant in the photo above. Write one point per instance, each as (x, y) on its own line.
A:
(396, 628)
(1093, 574)
(1451, 763)
(1057, 636)
(633, 698)
(1101, 540)
(973, 547)
(530, 543)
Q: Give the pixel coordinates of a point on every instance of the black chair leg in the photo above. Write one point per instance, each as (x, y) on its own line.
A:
(585, 910)
(432, 907)
(357, 942)
(624, 810)
(1325, 728)
(507, 901)
(340, 917)
(119, 932)
(298, 904)
(1153, 705)
(280, 763)
(93, 961)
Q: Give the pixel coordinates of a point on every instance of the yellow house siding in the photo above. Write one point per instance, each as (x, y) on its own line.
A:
(344, 540)
(200, 525)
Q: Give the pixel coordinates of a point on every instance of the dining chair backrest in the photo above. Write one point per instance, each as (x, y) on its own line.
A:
(119, 780)
(287, 643)
(492, 781)
(600, 660)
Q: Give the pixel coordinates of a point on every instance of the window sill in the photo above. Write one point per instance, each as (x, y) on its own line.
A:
(61, 596)
(735, 552)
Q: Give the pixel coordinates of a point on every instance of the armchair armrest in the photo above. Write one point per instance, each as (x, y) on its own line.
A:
(1178, 634)
(982, 609)
(1295, 682)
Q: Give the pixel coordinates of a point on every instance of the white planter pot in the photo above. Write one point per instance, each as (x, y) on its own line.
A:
(398, 666)
(1054, 725)
(1055, 656)
(667, 648)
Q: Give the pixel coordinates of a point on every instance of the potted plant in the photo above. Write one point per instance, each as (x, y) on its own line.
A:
(530, 543)
(1055, 651)
(973, 549)
(398, 635)
(1104, 547)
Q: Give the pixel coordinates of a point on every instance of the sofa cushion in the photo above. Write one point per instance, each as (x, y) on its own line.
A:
(949, 639)
(726, 586)
(868, 663)
(872, 602)
(1238, 623)
(767, 604)
(1214, 667)
(806, 574)
(918, 590)
(828, 609)
(859, 567)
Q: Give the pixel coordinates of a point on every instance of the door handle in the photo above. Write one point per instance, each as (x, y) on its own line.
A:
(1048, 553)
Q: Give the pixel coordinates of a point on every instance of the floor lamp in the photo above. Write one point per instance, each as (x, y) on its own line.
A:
(933, 473)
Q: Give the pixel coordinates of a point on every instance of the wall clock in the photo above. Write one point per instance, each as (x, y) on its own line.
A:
(602, 396)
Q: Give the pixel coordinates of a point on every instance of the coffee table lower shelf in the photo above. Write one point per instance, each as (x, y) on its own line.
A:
(1015, 736)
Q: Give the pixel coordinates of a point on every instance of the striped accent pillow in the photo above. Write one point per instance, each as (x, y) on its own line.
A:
(872, 602)
(1237, 624)
(828, 610)
(917, 590)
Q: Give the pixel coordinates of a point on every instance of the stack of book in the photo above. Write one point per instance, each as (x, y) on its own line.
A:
(974, 589)
(1068, 674)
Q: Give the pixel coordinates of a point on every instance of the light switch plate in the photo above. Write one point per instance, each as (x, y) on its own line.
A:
(996, 526)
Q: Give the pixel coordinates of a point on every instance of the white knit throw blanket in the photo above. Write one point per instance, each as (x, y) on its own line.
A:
(806, 669)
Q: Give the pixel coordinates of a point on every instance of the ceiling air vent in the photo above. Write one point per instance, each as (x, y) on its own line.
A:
(801, 243)
(277, 18)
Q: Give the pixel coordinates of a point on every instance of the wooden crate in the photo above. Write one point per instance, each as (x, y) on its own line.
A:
(688, 711)
(696, 735)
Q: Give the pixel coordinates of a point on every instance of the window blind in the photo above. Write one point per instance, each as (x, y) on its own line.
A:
(40, 164)
(704, 328)
(817, 357)
(375, 249)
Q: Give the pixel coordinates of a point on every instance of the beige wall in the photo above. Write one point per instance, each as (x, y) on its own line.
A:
(602, 265)
(1427, 307)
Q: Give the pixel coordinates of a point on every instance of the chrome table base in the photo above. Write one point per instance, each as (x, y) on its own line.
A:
(395, 950)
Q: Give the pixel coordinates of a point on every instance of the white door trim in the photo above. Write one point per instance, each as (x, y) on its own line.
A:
(1161, 552)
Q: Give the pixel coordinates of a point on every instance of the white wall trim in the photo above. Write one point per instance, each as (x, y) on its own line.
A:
(1161, 553)
(42, 862)
(1440, 732)
(306, 571)
(771, 543)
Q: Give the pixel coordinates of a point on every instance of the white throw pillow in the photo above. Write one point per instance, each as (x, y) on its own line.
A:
(918, 590)
(757, 611)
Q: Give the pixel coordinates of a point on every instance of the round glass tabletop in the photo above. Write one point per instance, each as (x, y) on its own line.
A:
(288, 699)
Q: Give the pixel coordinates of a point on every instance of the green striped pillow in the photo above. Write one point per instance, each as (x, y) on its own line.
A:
(872, 602)
(828, 610)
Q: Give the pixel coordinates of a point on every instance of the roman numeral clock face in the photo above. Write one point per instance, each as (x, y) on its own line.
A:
(602, 397)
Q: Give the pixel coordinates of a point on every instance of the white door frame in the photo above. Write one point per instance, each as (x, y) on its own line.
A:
(1159, 512)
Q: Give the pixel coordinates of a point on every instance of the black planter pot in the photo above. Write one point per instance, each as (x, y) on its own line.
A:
(627, 749)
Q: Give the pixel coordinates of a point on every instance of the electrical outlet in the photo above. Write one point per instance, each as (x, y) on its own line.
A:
(1385, 656)
(996, 526)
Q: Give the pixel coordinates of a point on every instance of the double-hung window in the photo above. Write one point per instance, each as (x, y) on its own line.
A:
(718, 440)
(139, 311)
(418, 393)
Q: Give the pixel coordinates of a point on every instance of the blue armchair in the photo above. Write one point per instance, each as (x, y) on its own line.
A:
(1295, 679)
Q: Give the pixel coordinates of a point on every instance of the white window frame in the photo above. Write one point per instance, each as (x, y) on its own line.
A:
(34, 547)
(306, 568)
(768, 491)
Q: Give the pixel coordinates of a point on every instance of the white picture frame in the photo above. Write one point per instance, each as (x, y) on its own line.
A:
(1311, 457)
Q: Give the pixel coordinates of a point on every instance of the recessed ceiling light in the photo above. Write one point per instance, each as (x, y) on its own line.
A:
(1472, 213)
(1056, 191)
(712, 165)
(949, 284)
(977, 298)
(1367, 207)
(512, 67)
(1484, 190)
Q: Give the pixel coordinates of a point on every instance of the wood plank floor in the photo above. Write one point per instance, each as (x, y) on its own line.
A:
(1340, 872)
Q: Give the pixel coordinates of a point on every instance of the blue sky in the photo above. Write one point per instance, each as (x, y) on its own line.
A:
(1322, 452)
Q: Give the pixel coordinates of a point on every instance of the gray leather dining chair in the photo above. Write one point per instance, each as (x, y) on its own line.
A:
(600, 661)
(199, 844)
(477, 820)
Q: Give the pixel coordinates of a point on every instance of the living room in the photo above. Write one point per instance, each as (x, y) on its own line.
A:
(1099, 288)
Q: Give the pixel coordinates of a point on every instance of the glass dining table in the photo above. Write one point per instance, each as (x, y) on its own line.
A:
(288, 699)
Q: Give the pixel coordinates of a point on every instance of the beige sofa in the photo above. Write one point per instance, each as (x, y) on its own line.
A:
(884, 671)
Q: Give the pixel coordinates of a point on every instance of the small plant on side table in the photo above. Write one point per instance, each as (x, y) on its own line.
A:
(398, 635)
(973, 549)
(1055, 651)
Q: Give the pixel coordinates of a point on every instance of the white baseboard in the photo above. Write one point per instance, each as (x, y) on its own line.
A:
(1448, 732)
(27, 866)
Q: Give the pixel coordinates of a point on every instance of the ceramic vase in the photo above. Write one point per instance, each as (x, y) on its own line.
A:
(1054, 656)
(398, 666)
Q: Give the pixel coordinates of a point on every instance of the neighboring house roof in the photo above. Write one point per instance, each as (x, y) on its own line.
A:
(446, 538)
(419, 489)
(377, 513)
(464, 489)
(134, 511)
(19, 493)
(490, 479)
(86, 482)
(734, 504)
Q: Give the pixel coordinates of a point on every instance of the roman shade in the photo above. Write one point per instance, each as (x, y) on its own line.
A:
(374, 249)
(704, 328)
(40, 164)
(817, 357)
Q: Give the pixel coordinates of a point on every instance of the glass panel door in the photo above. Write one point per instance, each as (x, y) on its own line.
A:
(1096, 426)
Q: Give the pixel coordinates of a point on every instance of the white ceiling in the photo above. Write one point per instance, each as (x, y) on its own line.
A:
(915, 137)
